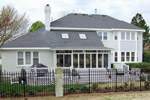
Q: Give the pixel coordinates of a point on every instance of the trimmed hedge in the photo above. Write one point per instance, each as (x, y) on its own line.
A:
(146, 57)
(143, 65)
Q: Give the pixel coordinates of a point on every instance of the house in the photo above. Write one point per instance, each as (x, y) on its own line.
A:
(78, 41)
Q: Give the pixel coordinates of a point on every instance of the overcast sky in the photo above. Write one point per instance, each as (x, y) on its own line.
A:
(120, 9)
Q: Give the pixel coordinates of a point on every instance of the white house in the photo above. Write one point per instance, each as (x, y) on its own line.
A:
(81, 41)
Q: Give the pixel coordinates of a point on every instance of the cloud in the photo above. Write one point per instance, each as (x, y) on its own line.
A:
(120, 9)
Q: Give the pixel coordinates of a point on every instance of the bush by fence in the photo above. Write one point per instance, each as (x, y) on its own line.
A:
(142, 65)
(146, 57)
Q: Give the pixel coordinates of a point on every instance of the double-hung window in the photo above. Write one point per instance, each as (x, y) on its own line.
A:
(116, 56)
(27, 58)
(103, 35)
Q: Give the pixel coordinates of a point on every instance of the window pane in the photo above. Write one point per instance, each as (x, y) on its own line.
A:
(100, 35)
(67, 60)
(20, 54)
(60, 60)
(105, 60)
(122, 56)
(133, 56)
(20, 58)
(35, 54)
(127, 56)
(115, 36)
(99, 60)
(116, 57)
(81, 60)
(20, 61)
(35, 61)
(93, 60)
(127, 36)
(88, 62)
(75, 60)
(82, 36)
(133, 36)
(28, 57)
(122, 35)
(105, 35)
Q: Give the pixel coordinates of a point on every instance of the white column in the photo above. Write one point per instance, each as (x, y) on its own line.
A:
(102, 60)
(72, 59)
(136, 55)
(119, 53)
(96, 59)
(84, 59)
(55, 59)
(109, 60)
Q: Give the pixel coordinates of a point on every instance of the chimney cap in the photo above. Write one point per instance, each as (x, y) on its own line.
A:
(47, 4)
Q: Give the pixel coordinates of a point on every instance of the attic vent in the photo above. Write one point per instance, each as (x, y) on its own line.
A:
(65, 36)
(75, 14)
(103, 15)
(83, 14)
(82, 36)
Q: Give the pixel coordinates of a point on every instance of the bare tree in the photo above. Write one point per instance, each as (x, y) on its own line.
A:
(12, 25)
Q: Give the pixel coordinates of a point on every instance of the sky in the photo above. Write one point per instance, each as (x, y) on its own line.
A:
(120, 9)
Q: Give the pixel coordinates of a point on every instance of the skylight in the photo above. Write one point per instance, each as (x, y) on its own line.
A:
(65, 36)
(82, 36)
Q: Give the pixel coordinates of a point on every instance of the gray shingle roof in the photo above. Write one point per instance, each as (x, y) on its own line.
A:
(92, 21)
(53, 39)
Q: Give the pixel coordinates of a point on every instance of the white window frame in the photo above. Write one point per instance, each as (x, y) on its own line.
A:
(130, 56)
(24, 59)
(115, 56)
(82, 36)
(65, 36)
(130, 36)
(103, 35)
(115, 34)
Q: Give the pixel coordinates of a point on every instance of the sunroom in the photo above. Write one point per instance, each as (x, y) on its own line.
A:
(83, 59)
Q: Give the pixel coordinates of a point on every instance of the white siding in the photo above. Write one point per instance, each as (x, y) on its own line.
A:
(128, 45)
(140, 47)
(9, 59)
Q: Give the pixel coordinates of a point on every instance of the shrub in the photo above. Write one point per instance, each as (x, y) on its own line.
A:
(85, 90)
(31, 92)
(120, 87)
(3, 95)
(125, 85)
(146, 56)
(0, 73)
(107, 88)
(142, 65)
(71, 90)
(143, 78)
(146, 85)
(95, 86)
(132, 86)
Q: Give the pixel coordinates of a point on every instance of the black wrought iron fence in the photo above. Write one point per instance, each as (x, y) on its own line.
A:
(27, 84)
(94, 80)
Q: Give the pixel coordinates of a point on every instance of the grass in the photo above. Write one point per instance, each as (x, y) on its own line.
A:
(143, 95)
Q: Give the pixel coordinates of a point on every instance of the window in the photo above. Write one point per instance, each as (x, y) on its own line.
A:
(132, 56)
(122, 56)
(115, 36)
(82, 36)
(122, 35)
(65, 36)
(88, 61)
(128, 36)
(35, 58)
(81, 60)
(100, 35)
(93, 60)
(103, 35)
(132, 36)
(127, 56)
(105, 60)
(63, 60)
(116, 56)
(75, 60)
(28, 58)
(20, 58)
(99, 60)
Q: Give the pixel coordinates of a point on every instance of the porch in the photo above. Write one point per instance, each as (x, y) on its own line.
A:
(82, 59)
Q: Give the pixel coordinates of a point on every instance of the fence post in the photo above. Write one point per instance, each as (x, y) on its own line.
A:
(89, 80)
(59, 81)
(140, 79)
(116, 80)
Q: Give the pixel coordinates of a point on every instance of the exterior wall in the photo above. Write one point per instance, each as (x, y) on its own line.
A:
(9, 59)
(124, 46)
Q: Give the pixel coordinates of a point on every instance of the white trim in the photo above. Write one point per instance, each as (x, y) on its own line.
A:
(95, 29)
(23, 48)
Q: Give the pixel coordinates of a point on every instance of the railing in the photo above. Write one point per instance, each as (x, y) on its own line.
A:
(35, 83)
